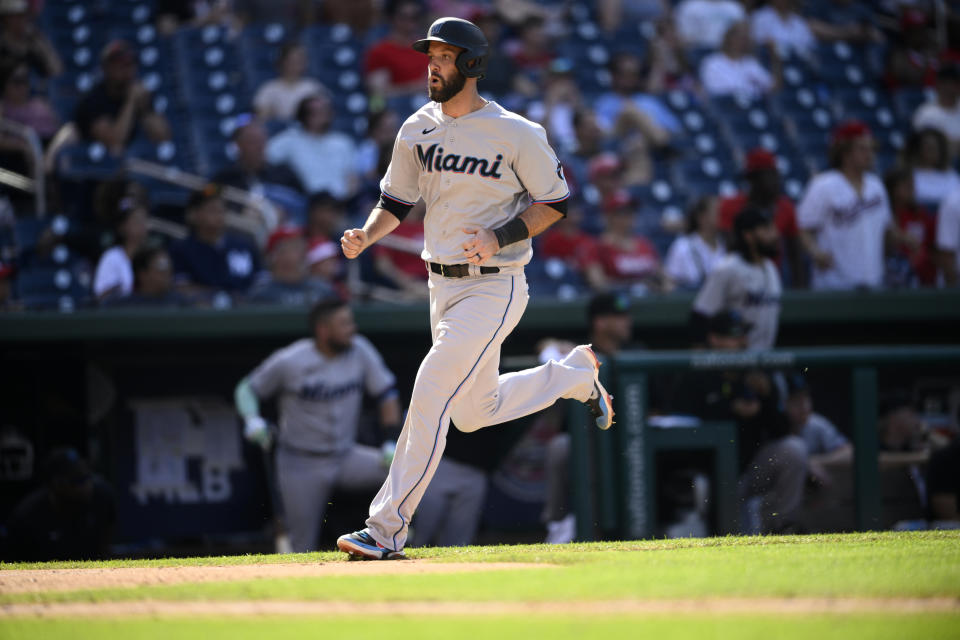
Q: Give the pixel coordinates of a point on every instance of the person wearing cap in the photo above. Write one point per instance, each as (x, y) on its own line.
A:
(288, 280)
(211, 259)
(627, 91)
(826, 446)
(745, 281)
(610, 330)
(119, 107)
(943, 112)
(693, 256)
(764, 192)
(844, 214)
(70, 517)
(114, 274)
(625, 258)
(914, 55)
(22, 41)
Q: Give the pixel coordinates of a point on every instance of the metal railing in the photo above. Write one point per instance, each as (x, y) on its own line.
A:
(35, 185)
(616, 463)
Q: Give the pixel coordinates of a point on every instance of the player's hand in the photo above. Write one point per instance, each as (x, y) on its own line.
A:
(256, 430)
(481, 244)
(353, 242)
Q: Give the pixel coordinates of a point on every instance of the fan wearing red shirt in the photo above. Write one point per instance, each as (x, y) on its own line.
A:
(917, 226)
(624, 258)
(764, 194)
(404, 267)
(392, 67)
(566, 241)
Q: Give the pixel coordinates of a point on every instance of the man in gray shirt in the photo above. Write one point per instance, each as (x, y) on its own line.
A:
(320, 382)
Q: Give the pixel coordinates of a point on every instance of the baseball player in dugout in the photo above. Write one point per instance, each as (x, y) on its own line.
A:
(490, 182)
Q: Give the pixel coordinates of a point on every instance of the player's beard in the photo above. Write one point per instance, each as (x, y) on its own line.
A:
(447, 88)
(769, 249)
(338, 346)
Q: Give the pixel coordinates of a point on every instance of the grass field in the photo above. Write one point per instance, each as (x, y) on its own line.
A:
(876, 585)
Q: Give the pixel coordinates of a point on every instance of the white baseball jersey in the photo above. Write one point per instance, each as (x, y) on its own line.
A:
(479, 170)
(752, 290)
(321, 397)
(848, 225)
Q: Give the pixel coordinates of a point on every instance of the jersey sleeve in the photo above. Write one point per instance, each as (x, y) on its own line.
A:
(712, 295)
(377, 378)
(399, 188)
(267, 379)
(810, 211)
(540, 171)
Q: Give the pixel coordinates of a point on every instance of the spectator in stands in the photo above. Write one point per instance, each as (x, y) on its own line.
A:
(22, 41)
(498, 79)
(779, 24)
(17, 104)
(278, 99)
(948, 239)
(847, 20)
(288, 282)
(703, 23)
(928, 154)
(210, 259)
(746, 281)
(733, 70)
(668, 66)
(915, 54)
(694, 255)
(323, 159)
(530, 55)
(153, 280)
(901, 430)
(170, 15)
(70, 517)
(6, 286)
(916, 224)
(251, 170)
(827, 448)
(561, 99)
(613, 14)
(844, 215)
(627, 90)
(114, 276)
(764, 193)
(624, 258)
(119, 107)
(943, 113)
(566, 241)
(290, 13)
(590, 142)
(392, 67)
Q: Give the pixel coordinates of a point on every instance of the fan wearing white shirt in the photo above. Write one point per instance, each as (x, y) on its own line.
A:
(844, 215)
(734, 71)
(702, 23)
(928, 152)
(948, 238)
(114, 274)
(778, 24)
(693, 256)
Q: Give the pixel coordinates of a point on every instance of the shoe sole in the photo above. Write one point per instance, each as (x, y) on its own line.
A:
(604, 421)
(363, 552)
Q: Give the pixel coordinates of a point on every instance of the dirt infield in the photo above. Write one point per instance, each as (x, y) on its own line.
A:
(39, 580)
(708, 606)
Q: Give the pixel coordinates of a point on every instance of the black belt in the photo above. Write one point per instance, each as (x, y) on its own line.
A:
(459, 270)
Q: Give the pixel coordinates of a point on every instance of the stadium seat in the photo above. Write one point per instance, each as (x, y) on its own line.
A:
(554, 278)
(86, 161)
(53, 288)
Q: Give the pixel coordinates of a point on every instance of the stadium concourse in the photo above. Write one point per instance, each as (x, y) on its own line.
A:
(170, 154)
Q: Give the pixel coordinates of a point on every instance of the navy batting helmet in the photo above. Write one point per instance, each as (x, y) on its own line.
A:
(472, 61)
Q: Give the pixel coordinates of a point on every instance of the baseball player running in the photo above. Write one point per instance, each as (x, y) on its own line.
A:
(490, 182)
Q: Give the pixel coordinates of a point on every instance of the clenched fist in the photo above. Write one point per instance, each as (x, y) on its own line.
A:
(353, 242)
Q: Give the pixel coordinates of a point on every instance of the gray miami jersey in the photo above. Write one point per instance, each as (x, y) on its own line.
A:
(321, 397)
(751, 290)
(479, 170)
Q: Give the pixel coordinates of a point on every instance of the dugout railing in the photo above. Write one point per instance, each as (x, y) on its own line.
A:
(613, 481)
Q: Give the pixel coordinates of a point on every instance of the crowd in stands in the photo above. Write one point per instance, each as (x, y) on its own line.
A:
(210, 153)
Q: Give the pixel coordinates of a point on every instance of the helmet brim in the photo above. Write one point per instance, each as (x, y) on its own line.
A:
(423, 46)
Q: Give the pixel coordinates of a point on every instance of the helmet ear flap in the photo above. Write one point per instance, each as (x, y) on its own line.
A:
(470, 65)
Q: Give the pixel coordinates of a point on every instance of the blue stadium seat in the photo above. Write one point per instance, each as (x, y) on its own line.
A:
(84, 161)
(52, 288)
(552, 277)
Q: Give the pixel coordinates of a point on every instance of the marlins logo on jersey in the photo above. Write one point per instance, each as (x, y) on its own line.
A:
(433, 160)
